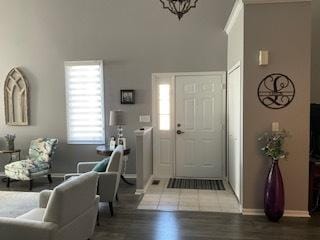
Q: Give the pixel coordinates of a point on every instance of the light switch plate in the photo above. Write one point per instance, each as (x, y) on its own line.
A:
(263, 58)
(144, 118)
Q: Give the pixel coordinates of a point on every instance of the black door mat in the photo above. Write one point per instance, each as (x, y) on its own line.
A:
(196, 184)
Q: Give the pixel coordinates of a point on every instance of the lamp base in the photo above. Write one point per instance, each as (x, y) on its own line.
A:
(120, 130)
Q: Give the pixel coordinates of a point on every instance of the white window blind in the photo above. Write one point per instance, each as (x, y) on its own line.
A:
(85, 102)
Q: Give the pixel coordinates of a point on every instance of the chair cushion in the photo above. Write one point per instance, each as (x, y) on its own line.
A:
(35, 215)
(22, 170)
(41, 149)
(101, 166)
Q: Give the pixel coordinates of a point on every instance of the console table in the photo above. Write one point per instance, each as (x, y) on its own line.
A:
(104, 150)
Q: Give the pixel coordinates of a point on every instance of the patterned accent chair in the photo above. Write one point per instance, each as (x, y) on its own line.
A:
(37, 165)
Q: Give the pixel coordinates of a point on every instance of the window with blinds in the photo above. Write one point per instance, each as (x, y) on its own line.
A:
(85, 102)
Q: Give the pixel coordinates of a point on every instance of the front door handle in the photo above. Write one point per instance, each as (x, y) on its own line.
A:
(180, 132)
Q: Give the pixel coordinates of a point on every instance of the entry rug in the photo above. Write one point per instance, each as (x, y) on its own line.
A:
(196, 184)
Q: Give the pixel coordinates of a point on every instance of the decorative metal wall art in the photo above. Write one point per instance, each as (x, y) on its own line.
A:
(276, 91)
(179, 7)
(16, 99)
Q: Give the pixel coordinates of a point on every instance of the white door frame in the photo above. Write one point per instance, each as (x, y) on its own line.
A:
(162, 171)
(232, 69)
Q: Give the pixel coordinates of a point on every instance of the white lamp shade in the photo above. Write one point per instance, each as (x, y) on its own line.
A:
(117, 118)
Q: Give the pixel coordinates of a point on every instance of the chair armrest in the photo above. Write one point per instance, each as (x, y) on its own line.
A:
(83, 167)
(107, 187)
(12, 228)
(70, 175)
(44, 198)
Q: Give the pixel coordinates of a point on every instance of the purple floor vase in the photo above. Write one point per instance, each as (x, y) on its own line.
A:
(274, 194)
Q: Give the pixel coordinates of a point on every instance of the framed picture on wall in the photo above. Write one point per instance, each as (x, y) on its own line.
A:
(127, 96)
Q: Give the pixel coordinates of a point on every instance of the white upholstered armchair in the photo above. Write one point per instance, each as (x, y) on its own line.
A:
(69, 212)
(109, 180)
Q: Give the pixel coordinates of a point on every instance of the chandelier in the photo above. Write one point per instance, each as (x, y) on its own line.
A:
(179, 7)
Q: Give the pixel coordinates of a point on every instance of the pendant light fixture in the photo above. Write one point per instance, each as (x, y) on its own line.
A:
(179, 7)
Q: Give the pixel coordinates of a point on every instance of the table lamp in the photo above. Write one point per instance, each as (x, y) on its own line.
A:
(118, 118)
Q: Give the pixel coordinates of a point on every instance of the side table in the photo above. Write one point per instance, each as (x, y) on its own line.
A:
(11, 153)
(104, 150)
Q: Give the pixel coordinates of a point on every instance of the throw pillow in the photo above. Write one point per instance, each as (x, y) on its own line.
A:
(101, 166)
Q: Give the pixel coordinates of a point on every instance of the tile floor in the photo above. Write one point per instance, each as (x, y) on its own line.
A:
(158, 197)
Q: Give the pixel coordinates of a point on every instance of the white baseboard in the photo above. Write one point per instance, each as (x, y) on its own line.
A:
(252, 212)
(144, 190)
(294, 213)
(287, 213)
(130, 176)
(61, 175)
(58, 175)
(52, 174)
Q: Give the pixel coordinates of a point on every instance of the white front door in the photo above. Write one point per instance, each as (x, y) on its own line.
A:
(199, 125)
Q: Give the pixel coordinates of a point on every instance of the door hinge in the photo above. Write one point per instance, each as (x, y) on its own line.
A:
(224, 86)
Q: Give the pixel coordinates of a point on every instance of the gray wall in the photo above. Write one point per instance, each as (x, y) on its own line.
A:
(134, 38)
(285, 30)
(315, 83)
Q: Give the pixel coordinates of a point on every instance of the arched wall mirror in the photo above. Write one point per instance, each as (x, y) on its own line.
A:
(16, 99)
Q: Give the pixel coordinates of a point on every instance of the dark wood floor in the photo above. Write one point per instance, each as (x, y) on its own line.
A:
(131, 224)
